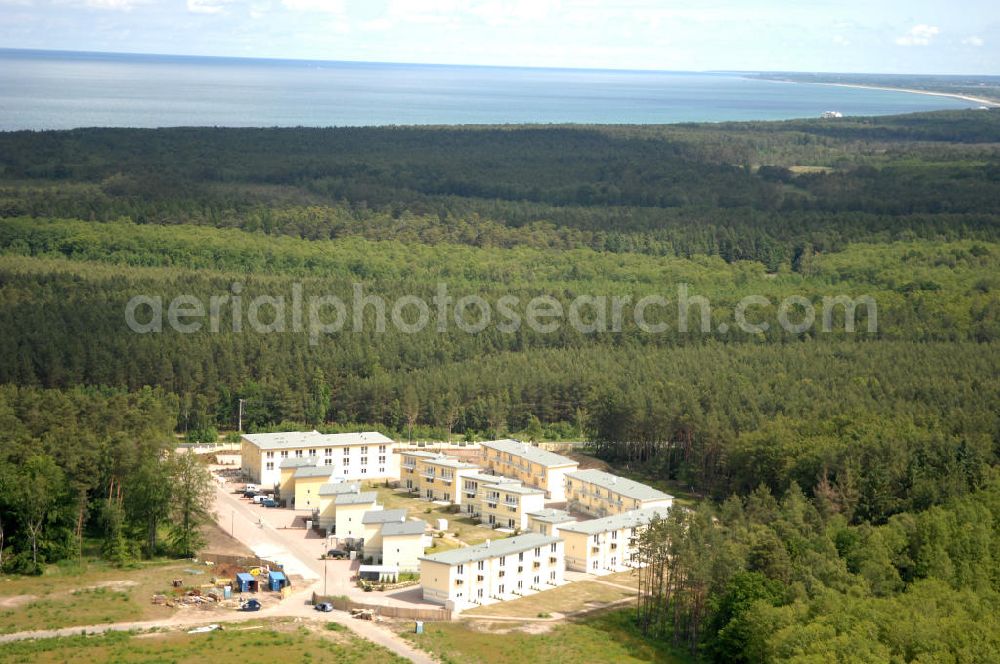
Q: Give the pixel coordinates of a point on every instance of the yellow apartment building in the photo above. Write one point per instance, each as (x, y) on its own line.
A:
(600, 494)
(529, 464)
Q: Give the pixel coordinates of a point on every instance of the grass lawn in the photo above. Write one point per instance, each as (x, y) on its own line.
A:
(91, 593)
(269, 642)
(562, 600)
(609, 637)
(468, 530)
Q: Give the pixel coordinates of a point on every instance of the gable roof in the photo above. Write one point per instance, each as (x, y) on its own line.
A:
(313, 471)
(488, 549)
(529, 452)
(356, 498)
(552, 516)
(298, 462)
(404, 528)
(383, 516)
(620, 485)
(631, 519)
(338, 488)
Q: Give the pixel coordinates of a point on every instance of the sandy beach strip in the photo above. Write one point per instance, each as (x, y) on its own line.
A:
(976, 100)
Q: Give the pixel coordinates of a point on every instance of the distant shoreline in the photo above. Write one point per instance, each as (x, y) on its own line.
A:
(977, 100)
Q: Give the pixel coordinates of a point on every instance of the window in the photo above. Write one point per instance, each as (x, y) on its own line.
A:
(614, 534)
(479, 593)
(503, 560)
(520, 584)
(270, 455)
(364, 461)
(270, 465)
(552, 575)
(328, 462)
(312, 452)
(594, 564)
(520, 557)
(460, 569)
(538, 550)
(328, 451)
(381, 460)
(553, 547)
(597, 539)
(364, 449)
(347, 451)
(298, 454)
(479, 566)
(501, 589)
(381, 449)
(364, 471)
(284, 454)
(538, 579)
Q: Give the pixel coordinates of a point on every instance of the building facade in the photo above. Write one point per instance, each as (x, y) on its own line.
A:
(350, 510)
(494, 571)
(507, 504)
(366, 455)
(328, 501)
(434, 476)
(606, 545)
(548, 522)
(530, 465)
(601, 494)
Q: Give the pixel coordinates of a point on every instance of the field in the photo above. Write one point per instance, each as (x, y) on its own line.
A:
(609, 637)
(273, 641)
(89, 594)
(567, 599)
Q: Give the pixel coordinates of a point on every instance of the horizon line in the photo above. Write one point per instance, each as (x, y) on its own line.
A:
(467, 65)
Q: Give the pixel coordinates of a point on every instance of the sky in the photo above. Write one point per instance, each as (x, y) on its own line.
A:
(878, 36)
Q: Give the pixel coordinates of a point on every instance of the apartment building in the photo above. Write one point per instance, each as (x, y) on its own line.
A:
(548, 521)
(365, 455)
(307, 481)
(434, 476)
(606, 545)
(403, 545)
(371, 529)
(286, 475)
(470, 490)
(350, 510)
(328, 501)
(600, 494)
(529, 464)
(507, 504)
(494, 571)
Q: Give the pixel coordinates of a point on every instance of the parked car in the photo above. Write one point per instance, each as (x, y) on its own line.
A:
(269, 502)
(259, 498)
(249, 494)
(250, 487)
(337, 554)
(250, 605)
(325, 607)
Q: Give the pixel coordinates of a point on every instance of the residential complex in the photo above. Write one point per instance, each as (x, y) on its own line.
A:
(493, 571)
(350, 510)
(506, 504)
(532, 465)
(403, 545)
(328, 493)
(434, 476)
(602, 546)
(599, 494)
(351, 456)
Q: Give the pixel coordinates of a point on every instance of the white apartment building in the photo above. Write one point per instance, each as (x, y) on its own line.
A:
(603, 546)
(494, 571)
(366, 455)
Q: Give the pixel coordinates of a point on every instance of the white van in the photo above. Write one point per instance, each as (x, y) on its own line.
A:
(258, 499)
(250, 487)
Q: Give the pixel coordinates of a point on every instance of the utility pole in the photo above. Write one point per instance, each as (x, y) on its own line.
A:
(239, 426)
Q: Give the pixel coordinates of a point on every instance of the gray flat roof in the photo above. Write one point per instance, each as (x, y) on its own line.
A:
(530, 452)
(486, 478)
(356, 498)
(404, 528)
(339, 488)
(450, 462)
(626, 487)
(383, 516)
(629, 519)
(298, 462)
(417, 453)
(552, 516)
(293, 439)
(504, 547)
(313, 471)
